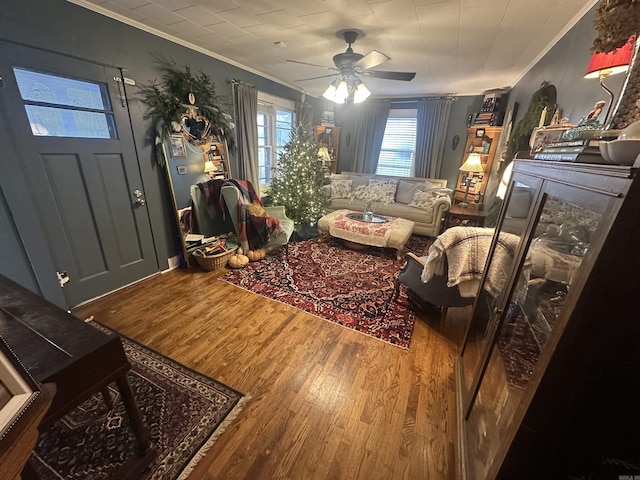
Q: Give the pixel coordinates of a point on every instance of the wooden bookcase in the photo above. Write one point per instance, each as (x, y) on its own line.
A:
(328, 136)
(216, 152)
(484, 141)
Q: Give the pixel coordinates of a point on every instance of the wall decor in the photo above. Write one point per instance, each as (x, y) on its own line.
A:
(185, 103)
(178, 148)
(455, 141)
(182, 169)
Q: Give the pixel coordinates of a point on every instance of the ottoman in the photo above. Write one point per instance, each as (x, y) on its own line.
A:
(393, 233)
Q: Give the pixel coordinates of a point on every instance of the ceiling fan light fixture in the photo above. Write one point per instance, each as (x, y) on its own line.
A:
(361, 92)
(330, 92)
(342, 92)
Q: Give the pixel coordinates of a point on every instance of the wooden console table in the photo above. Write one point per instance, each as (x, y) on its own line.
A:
(80, 360)
(464, 217)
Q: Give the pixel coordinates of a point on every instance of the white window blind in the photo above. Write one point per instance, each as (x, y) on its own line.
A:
(276, 120)
(399, 144)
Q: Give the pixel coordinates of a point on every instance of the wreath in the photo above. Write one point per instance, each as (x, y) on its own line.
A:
(615, 22)
(185, 103)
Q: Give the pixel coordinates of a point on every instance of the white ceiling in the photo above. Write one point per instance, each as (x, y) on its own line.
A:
(455, 46)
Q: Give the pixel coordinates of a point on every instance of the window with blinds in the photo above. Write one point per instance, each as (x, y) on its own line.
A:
(399, 144)
(276, 120)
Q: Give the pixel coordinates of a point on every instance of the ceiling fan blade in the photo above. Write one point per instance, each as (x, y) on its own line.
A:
(370, 60)
(314, 78)
(405, 76)
(313, 65)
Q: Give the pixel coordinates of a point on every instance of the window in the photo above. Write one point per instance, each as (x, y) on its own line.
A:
(276, 120)
(399, 144)
(65, 107)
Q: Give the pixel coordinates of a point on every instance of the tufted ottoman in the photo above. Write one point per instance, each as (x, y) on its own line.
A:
(392, 233)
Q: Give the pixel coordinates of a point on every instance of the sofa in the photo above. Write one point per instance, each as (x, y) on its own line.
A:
(421, 200)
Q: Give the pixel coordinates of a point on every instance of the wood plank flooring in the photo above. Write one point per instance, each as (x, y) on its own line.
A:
(326, 402)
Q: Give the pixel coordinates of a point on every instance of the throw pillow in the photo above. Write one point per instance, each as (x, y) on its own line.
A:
(406, 190)
(389, 188)
(424, 200)
(341, 188)
(359, 180)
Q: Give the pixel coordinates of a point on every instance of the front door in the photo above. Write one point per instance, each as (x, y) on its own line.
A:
(69, 122)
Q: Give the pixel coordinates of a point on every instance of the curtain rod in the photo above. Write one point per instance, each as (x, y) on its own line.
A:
(417, 99)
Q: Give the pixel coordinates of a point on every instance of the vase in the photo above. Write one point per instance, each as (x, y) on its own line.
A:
(367, 215)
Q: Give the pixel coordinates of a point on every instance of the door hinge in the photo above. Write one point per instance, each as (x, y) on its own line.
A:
(121, 94)
(63, 277)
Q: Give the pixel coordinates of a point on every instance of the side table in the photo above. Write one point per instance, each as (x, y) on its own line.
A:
(461, 216)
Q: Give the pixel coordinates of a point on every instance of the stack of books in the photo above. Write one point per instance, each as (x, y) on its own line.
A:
(580, 151)
(488, 118)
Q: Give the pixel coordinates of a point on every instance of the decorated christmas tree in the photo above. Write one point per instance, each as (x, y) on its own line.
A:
(298, 179)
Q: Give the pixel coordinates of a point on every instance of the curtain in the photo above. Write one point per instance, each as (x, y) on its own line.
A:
(370, 121)
(432, 123)
(245, 102)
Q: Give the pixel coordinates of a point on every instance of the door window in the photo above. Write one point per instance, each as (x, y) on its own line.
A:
(65, 107)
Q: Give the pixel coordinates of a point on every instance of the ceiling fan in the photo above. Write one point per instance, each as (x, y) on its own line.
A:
(348, 65)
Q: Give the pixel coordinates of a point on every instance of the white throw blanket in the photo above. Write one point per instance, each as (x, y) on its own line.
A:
(465, 250)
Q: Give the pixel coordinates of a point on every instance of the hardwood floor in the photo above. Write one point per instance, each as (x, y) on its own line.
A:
(325, 402)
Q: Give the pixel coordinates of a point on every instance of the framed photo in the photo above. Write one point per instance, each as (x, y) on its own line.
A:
(182, 169)
(18, 389)
(480, 132)
(177, 146)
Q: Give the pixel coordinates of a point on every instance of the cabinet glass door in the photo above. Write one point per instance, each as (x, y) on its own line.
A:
(566, 221)
(491, 297)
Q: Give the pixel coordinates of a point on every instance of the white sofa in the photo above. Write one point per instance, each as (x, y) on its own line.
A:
(427, 219)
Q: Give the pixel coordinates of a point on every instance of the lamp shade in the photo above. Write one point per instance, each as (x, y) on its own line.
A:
(323, 153)
(605, 64)
(473, 163)
(209, 167)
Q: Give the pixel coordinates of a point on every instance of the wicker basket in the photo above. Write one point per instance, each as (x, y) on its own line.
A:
(213, 262)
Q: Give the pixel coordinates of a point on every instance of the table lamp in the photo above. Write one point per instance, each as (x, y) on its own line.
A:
(604, 64)
(209, 168)
(473, 164)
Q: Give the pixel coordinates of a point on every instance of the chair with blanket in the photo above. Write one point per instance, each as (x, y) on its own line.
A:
(449, 276)
(233, 197)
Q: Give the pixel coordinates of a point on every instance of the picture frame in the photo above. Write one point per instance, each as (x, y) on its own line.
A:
(177, 147)
(19, 387)
(480, 132)
(182, 169)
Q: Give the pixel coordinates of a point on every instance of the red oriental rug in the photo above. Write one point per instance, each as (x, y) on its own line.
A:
(348, 287)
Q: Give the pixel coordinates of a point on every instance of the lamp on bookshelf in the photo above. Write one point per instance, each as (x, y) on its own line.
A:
(209, 168)
(472, 165)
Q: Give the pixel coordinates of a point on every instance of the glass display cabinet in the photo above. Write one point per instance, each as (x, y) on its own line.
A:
(535, 390)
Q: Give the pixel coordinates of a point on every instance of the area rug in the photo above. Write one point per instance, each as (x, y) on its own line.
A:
(183, 410)
(349, 287)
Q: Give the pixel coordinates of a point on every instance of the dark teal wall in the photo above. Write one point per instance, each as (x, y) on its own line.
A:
(564, 66)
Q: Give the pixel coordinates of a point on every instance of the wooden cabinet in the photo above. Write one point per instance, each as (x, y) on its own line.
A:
(482, 140)
(328, 137)
(546, 380)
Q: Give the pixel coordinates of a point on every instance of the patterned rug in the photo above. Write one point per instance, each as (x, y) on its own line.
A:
(184, 412)
(349, 287)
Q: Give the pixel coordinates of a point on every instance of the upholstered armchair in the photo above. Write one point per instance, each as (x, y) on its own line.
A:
(435, 291)
(231, 195)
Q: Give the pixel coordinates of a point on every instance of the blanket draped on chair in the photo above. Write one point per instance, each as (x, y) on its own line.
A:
(254, 225)
(465, 250)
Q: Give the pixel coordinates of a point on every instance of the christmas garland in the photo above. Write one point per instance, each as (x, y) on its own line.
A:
(182, 98)
(615, 22)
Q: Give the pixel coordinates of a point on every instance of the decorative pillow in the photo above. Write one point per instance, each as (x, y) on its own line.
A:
(341, 188)
(426, 200)
(359, 180)
(389, 188)
(406, 190)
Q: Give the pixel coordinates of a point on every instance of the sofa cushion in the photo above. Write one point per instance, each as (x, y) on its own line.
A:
(425, 200)
(388, 187)
(340, 188)
(359, 180)
(406, 190)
